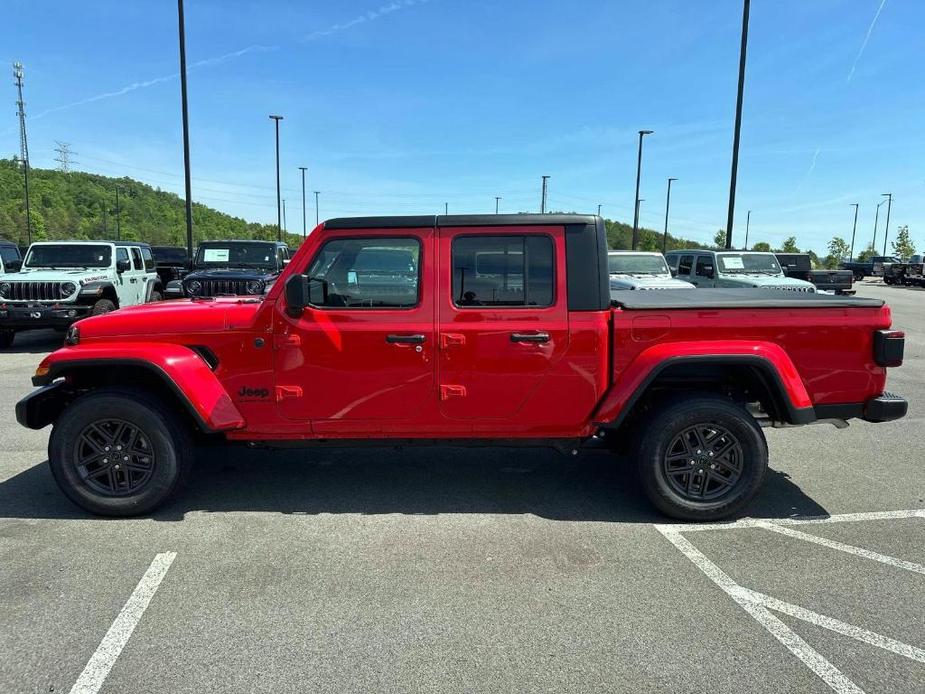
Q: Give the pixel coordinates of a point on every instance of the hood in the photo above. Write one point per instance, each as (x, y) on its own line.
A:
(184, 316)
(224, 273)
(78, 275)
(756, 280)
(647, 282)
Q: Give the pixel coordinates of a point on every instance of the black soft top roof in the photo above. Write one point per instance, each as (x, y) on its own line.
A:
(656, 299)
(457, 220)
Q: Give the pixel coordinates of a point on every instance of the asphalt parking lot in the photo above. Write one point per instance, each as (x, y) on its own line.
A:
(452, 570)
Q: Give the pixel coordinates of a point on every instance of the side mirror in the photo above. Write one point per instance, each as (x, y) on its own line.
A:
(123, 265)
(302, 291)
(13, 266)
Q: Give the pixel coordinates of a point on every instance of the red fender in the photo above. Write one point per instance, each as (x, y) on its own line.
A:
(181, 369)
(771, 358)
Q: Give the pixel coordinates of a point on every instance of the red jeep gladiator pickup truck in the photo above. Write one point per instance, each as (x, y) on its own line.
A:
(460, 330)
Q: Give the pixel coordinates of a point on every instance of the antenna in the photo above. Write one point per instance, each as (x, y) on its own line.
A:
(23, 144)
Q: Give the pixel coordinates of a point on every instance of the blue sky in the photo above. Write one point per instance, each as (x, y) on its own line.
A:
(399, 106)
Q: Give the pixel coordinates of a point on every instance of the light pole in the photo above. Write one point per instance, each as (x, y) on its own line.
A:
(497, 201)
(854, 229)
(185, 114)
(285, 226)
(638, 174)
(304, 228)
(317, 193)
(873, 244)
(639, 202)
(446, 208)
(598, 209)
(886, 229)
(667, 205)
(543, 196)
(738, 126)
(748, 221)
(279, 203)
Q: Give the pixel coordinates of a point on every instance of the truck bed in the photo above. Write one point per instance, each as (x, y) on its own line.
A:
(630, 300)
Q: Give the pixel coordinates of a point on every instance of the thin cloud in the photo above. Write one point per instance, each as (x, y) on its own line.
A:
(809, 171)
(870, 30)
(364, 18)
(367, 17)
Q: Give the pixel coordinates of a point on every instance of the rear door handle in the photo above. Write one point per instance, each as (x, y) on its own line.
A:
(404, 339)
(530, 337)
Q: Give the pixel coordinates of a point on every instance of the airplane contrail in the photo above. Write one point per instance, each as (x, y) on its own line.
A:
(369, 16)
(870, 30)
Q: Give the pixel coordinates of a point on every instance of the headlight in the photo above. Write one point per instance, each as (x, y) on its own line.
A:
(193, 287)
(72, 336)
(5, 288)
(67, 288)
(255, 287)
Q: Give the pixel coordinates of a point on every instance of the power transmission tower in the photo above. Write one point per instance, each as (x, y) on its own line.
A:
(64, 152)
(23, 144)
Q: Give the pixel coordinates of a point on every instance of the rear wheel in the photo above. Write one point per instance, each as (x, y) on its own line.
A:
(156, 295)
(102, 306)
(858, 276)
(703, 458)
(119, 452)
(6, 338)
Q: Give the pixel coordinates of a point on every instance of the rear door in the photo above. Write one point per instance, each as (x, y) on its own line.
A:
(502, 318)
(685, 269)
(363, 353)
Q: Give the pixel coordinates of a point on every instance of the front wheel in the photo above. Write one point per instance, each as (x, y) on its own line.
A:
(6, 338)
(703, 458)
(102, 306)
(118, 452)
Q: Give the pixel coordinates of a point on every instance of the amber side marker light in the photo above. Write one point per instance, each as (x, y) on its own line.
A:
(42, 371)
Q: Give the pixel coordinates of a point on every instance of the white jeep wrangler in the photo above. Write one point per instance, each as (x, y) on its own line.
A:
(63, 281)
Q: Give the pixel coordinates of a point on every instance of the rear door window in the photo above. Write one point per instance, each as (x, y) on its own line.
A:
(503, 271)
(685, 264)
(704, 262)
(137, 262)
(148, 257)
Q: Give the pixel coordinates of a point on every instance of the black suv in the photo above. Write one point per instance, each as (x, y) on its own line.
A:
(232, 268)
(172, 263)
(10, 257)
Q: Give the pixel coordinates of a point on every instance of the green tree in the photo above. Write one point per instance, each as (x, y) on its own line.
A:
(790, 245)
(867, 253)
(719, 238)
(903, 247)
(838, 251)
(762, 246)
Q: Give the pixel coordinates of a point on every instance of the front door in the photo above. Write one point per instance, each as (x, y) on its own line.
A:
(704, 272)
(362, 354)
(502, 318)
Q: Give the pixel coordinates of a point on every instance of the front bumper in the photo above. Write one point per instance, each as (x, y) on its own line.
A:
(885, 408)
(25, 317)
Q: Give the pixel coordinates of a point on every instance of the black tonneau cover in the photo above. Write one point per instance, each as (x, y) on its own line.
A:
(655, 299)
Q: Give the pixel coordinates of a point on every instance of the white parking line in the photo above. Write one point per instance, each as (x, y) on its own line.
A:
(842, 547)
(836, 625)
(102, 660)
(829, 674)
(804, 520)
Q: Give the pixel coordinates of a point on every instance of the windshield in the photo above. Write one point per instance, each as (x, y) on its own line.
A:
(169, 255)
(69, 255)
(637, 264)
(237, 255)
(748, 263)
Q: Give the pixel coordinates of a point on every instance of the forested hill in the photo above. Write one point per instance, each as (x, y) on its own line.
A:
(79, 205)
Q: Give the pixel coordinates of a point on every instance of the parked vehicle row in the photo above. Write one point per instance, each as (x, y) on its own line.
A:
(733, 269)
(872, 267)
(799, 266)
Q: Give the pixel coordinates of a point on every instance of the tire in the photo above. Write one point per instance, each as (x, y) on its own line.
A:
(160, 454)
(102, 306)
(706, 494)
(156, 295)
(858, 276)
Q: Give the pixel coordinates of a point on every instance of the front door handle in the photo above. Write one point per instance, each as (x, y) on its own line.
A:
(530, 337)
(404, 339)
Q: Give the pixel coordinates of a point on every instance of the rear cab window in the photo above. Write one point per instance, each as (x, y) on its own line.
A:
(509, 270)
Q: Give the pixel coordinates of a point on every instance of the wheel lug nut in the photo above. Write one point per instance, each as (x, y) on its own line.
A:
(105, 460)
(125, 458)
(106, 448)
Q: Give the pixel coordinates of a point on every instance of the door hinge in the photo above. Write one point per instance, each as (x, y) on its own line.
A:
(448, 391)
(283, 392)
